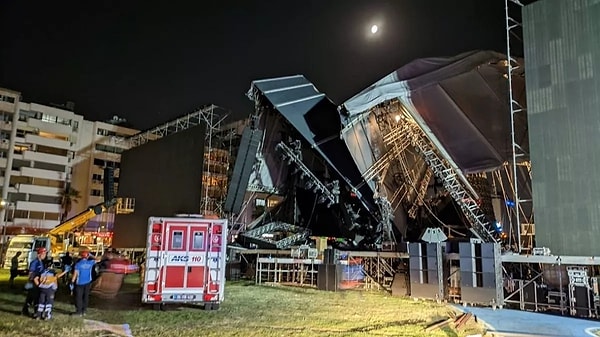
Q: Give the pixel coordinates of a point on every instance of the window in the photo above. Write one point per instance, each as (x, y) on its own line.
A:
(8, 99)
(104, 132)
(97, 178)
(260, 203)
(177, 240)
(39, 244)
(106, 163)
(198, 243)
(96, 193)
(24, 115)
(49, 118)
(110, 149)
(20, 245)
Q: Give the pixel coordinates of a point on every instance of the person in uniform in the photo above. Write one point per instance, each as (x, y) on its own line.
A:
(36, 267)
(47, 283)
(82, 281)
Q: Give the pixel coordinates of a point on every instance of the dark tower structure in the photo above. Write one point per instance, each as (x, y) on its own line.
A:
(562, 66)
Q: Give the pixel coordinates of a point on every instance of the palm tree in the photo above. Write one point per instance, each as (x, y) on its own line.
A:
(68, 196)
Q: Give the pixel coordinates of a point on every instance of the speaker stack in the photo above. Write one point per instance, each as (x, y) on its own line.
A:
(329, 274)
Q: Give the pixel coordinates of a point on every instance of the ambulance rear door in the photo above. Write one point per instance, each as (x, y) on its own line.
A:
(174, 272)
(196, 266)
(184, 270)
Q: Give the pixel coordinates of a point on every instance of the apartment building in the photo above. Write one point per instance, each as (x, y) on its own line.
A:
(44, 140)
(100, 145)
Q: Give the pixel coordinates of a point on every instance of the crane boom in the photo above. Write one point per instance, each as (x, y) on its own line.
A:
(74, 223)
(81, 219)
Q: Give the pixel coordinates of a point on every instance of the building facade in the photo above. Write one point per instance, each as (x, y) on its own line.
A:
(100, 145)
(43, 140)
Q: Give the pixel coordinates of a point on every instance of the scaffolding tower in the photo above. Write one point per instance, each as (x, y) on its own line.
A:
(514, 38)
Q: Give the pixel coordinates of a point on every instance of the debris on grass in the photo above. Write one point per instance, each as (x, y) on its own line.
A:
(438, 325)
(117, 329)
(462, 320)
(458, 321)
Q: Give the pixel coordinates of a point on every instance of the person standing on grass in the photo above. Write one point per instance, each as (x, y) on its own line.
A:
(67, 265)
(36, 267)
(47, 282)
(14, 269)
(82, 279)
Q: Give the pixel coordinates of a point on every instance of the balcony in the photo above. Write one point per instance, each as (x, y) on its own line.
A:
(38, 207)
(45, 158)
(57, 143)
(35, 223)
(4, 144)
(60, 129)
(38, 190)
(7, 126)
(45, 174)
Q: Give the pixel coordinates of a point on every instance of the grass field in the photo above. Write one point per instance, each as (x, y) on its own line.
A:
(248, 310)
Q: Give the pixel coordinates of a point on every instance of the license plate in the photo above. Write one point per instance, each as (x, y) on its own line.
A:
(183, 297)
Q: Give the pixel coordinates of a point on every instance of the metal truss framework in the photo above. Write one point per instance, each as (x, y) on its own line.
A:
(328, 192)
(395, 143)
(572, 272)
(205, 115)
(513, 25)
(279, 266)
(406, 132)
(480, 226)
(298, 234)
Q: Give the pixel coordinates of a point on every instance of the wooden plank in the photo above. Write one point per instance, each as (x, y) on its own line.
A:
(438, 325)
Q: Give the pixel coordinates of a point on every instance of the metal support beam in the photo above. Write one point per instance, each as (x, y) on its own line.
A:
(511, 26)
(203, 115)
(480, 226)
(330, 191)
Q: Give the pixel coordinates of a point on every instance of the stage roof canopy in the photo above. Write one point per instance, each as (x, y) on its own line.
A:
(463, 100)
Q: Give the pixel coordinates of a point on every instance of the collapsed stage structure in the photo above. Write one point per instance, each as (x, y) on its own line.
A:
(421, 163)
(427, 146)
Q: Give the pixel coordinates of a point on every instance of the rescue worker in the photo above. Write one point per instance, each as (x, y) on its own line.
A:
(82, 281)
(47, 282)
(14, 269)
(36, 267)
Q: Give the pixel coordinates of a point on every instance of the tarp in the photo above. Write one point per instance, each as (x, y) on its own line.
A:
(463, 100)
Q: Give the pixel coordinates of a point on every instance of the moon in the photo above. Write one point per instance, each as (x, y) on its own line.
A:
(374, 29)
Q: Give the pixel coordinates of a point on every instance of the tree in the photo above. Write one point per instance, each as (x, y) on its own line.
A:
(68, 197)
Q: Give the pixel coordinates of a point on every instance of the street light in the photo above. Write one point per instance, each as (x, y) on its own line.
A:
(3, 204)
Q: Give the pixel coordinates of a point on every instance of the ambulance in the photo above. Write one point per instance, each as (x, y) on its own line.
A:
(185, 261)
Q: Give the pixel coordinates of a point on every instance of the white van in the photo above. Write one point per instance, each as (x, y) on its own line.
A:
(27, 245)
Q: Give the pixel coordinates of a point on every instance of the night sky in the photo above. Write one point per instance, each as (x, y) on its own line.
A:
(151, 62)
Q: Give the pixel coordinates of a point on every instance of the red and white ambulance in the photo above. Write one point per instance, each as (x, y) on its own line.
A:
(185, 261)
